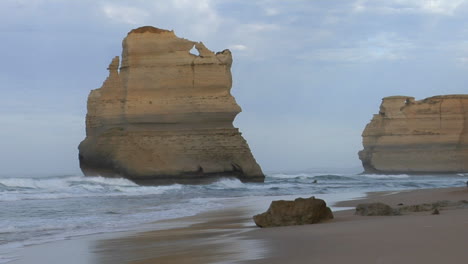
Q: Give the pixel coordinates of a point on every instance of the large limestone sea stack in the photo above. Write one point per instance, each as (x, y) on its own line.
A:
(165, 115)
(426, 136)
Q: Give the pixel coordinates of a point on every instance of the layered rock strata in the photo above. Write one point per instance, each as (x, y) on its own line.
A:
(165, 114)
(426, 136)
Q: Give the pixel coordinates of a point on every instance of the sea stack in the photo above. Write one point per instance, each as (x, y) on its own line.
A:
(417, 137)
(165, 115)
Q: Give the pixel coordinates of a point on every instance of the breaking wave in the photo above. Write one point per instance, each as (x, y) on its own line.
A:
(12, 189)
(384, 176)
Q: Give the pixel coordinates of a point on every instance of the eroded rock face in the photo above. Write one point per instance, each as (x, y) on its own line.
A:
(166, 114)
(298, 212)
(426, 136)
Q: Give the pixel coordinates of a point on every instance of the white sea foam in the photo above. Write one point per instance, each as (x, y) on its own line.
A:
(13, 189)
(62, 182)
(292, 176)
(236, 184)
(311, 176)
(384, 176)
(228, 183)
(8, 229)
(60, 228)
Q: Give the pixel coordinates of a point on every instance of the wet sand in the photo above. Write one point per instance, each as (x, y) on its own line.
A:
(411, 238)
(230, 236)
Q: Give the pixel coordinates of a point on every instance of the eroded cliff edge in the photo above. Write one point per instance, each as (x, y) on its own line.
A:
(426, 136)
(165, 115)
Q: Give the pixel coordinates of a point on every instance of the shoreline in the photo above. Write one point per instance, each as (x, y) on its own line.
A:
(245, 206)
(417, 237)
(230, 235)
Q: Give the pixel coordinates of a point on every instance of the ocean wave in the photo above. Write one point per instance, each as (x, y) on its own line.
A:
(34, 228)
(311, 176)
(275, 186)
(385, 176)
(236, 184)
(227, 183)
(62, 182)
(333, 177)
(12, 189)
(290, 176)
(8, 229)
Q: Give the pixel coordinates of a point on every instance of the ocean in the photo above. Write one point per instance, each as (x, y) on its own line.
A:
(37, 210)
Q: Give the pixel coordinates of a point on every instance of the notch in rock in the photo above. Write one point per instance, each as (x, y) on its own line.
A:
(194, 51)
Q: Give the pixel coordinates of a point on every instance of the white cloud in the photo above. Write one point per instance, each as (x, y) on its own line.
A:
(260, 27)
(124, 14)
(441, 7)
(383, 46)
(269, 11)
(239, 47)
(255, 38)
(204, 9)
(446, 7)
(197, 17)
(463, 60)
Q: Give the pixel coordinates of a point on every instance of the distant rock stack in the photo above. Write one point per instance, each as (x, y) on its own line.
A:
(166, 115)
(426, 136)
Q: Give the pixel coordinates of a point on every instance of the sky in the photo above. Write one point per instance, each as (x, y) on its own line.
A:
(308, 74)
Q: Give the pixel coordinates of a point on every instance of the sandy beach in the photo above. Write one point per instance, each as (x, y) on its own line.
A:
(230, 236)
(413, 238)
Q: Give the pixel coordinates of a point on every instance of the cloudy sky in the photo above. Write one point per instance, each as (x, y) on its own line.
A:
(308, 74)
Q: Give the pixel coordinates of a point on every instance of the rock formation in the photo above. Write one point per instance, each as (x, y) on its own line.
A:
(426, 136)
(381, 209)
(298, 212)
(375, 209)
(165, 115)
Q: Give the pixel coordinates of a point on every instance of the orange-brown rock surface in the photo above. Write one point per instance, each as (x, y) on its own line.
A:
(426, 136)
(166, 114)
(302, 211)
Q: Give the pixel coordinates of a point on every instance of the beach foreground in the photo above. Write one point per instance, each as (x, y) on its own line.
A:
(414, 238)
(230, 236)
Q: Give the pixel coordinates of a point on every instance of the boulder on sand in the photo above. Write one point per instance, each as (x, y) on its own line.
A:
(298, 212)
